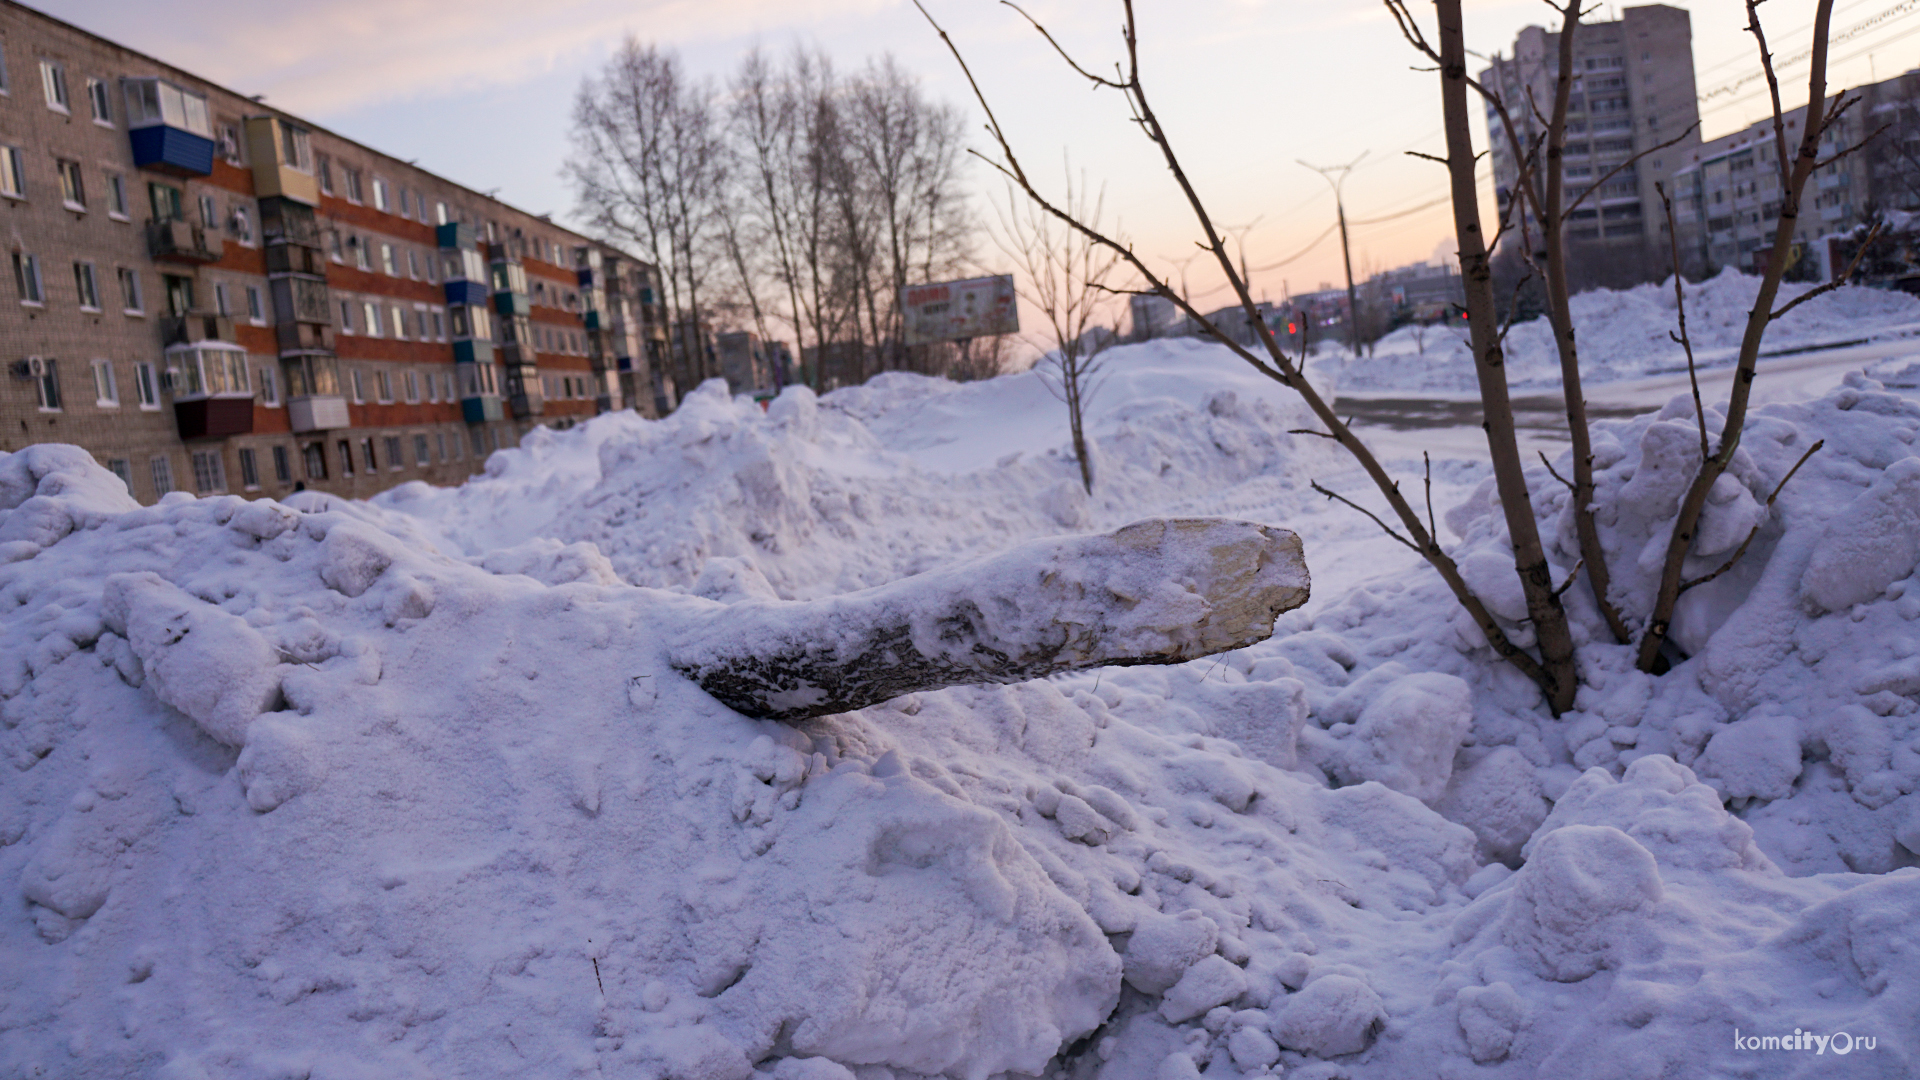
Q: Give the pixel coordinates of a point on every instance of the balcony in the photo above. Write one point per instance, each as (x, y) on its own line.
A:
(516, 353)
(304, 337)
(281, 161)
(512, 303)
(461, 291)
(324, 412)
(593, 320)
(584, 277)
(294, 258)
(473, 352)
(183, 242)
(195, 327)
(175, 151)
(455, 235)
(214, 417)
(480, 410)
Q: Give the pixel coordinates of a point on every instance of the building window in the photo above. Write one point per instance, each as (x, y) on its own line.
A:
(366, 453)
(314, 460)
(106, 390)
(323, 165)
(146, 385)
(117, 197)
(399, 322)
(386, 261)
(87, 285)
(294, 150)
(73, 190)
(394, 460)
(53, 79)
(4, 90)
(439, 213)
(220, 305)
(209, 212)
(230, 145)
(333, 246)
(381, 201)
(249, 470)
(439, 324)
(44, 371)
(123, 469)
(13, 173)
(354, 194)
(97, 97)
(168, 202)
(371, 317)
(269, 387)
(359, 253)
(346, 459)
(420, 455)
(162, 471)
(413, 264)
(383, 385)
(26, 278)
(209, 477)
(413, 388)
(359, 388)
(256, 311)
(346, 316)
(243, 225)
(282, 468)
(440, 444)
(156, 101)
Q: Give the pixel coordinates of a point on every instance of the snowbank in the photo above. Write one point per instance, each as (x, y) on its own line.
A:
(1623, 335)
(411, 788)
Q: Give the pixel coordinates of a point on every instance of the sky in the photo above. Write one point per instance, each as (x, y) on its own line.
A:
(480, 92)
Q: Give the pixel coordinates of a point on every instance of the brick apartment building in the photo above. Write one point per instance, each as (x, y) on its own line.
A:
(212, 295)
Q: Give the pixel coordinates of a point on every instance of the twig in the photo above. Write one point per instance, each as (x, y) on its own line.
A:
(1310, 431)
(1383, 525)
(1827, 287)
(1567, 214)
(1680, 304)
(1555, 475)
(1755, 531)
(1573, 575)
(1433, 531)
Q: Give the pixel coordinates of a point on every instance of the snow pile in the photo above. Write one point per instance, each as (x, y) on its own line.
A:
(1623, 335)
(332, 789)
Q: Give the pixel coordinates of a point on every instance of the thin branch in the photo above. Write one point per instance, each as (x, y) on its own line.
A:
(1310, 431)
(1828, 286)
(1755, 531)
(1383, 525)
(1098, 80)
(1555, 475)
(1573, 575)
(1432, 529)
(1567, 214)
(1680, 304)
(1429, 157)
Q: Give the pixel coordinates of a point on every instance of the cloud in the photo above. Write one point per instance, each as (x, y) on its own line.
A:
(323, 58)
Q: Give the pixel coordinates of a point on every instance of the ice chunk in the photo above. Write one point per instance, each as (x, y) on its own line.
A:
(1575, 901)
(1489, 1017)
(1499, 798)
(1211, 981)
(1870, 544)
(198, 659)
(1406, 737)
(1758, 757)
(1164, 946)
(1333, 1015)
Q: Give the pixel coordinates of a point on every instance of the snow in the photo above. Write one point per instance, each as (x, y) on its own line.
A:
(413, 788)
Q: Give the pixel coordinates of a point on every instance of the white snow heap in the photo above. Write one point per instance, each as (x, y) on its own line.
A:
(409, 789)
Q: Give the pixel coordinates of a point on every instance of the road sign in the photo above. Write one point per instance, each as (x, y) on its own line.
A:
(958, 310)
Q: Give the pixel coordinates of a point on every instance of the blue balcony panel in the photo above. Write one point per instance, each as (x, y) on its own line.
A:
(462, 291)
(454, 234)
(473, 352)
(512, 303)
(172, 150)
(584, 276)
(480, 410)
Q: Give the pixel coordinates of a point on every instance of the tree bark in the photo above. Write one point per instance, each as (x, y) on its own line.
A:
(1160, 591)
(1529, 558)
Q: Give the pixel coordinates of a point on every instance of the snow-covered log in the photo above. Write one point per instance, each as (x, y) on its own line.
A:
(1160, 591)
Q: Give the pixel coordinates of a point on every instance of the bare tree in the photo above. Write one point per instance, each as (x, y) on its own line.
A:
(1066, 277)
(1553, 670)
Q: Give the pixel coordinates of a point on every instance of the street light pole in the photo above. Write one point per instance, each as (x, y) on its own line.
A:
(1346, 252)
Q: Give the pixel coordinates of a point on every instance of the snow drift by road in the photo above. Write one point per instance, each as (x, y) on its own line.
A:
(409, 788)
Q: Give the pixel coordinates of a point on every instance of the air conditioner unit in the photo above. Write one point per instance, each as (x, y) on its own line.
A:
(33, 367)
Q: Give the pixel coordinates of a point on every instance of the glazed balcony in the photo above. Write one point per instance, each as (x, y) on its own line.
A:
(183, 242)
(195, 327)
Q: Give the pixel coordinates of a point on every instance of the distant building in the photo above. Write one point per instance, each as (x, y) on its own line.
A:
(1727, 194)
(749, 365)
(1633, 89)
(1154, 317)
(213, 295)
(1420, 293)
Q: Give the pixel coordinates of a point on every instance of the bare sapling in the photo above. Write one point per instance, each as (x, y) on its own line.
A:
(1794, 170)
(1540, 190)
(1553, 671)
(1067, 278)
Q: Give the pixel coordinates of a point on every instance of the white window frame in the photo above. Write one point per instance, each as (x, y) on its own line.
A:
(422, 450)
(411, 379)
(383, 386)
(27, 280)
(146, 386)
(117, 197)
(162, 469)
(357, 386)
(346, 315)
(370, 318)
(269, 387)
(396, 453)
(106, 387)
(134, 304)
(46, 386)
(388, 265)
(13, 172)
(86, 279)
(73, 185)
(399, 315)
(222, 305)
(256, 306)
(53, 82)
(249, 463)
(100, 102)
(382, 195)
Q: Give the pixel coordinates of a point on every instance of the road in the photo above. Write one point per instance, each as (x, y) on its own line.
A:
(1450, 426)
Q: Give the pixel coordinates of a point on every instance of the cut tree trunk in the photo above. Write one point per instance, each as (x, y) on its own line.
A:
(1160, 591)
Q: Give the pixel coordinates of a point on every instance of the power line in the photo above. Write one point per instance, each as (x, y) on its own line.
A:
(1831, 63)
(1900, 10)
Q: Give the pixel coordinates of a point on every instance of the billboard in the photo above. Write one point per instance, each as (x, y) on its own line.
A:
(956, 310)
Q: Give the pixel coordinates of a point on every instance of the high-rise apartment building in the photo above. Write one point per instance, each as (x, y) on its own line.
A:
(210, 294)
(1633, 89)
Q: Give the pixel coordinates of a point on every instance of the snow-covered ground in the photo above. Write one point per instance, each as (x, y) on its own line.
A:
(408, 788)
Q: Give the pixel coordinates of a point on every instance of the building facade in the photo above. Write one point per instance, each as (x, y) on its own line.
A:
(1727, 194)
(213, 295)
(1633, 89)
